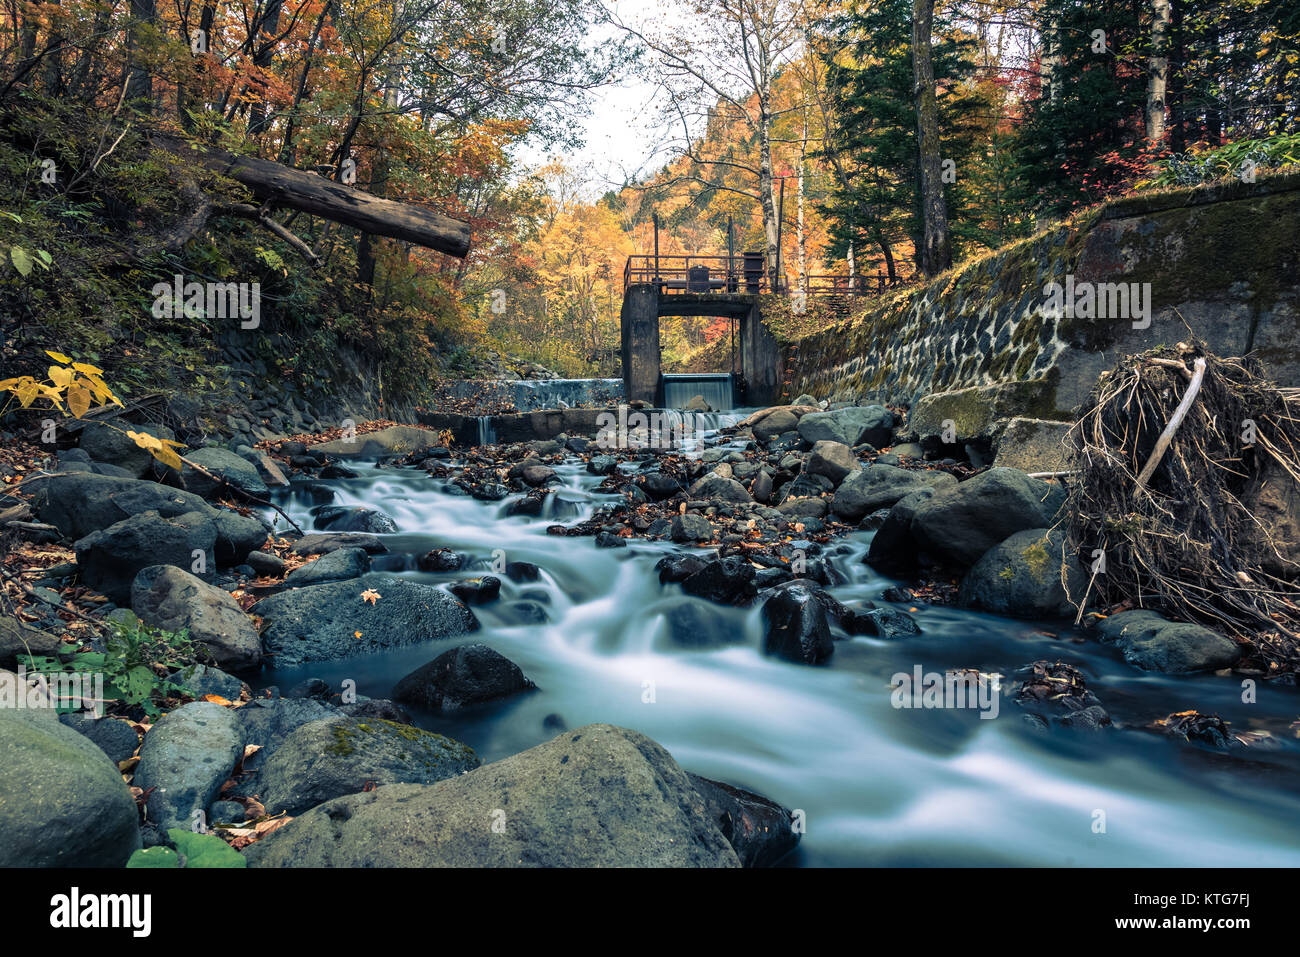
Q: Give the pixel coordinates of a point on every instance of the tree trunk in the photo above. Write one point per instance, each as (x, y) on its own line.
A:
(936, 249)
(767, 187)
(139, 85)
(317, 196)
(1158, 72)
(802, 237)
(259, 118)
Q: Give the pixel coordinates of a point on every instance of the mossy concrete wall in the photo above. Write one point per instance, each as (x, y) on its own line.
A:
(1222, 261)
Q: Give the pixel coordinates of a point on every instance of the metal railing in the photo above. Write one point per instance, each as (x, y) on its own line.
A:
(746, 274)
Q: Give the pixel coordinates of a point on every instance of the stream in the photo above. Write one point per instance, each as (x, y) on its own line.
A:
(877, 785)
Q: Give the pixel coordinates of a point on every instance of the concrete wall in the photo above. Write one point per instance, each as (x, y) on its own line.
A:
(1222, 262)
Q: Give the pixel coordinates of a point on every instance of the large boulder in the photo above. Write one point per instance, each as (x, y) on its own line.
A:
(110, 559)
(63, 803)
(185, 758)
(1152, 642)
(323, 622)
(962, 522)
(728, 581)
(111, 445)
(81, 503)
(599, 796)
(168, 597)
(777, 422)
(881, 486)
(268, 723)
(237, 536)
(461, 678)
(892, 550)
(229, 469)
(1021, 577)
(394, 440)
(873, 424)
(341, 755)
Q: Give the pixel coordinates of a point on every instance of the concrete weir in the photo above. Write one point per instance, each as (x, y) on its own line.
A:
(762, 360)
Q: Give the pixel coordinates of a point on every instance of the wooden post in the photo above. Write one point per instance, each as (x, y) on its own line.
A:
(656, 222)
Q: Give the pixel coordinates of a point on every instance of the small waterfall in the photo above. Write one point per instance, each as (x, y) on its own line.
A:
(487, 433)
(529, 395)
(714, 388)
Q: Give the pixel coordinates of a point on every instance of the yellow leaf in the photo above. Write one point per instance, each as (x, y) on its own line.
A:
(27, 391)
(58, 356)
(61, 376)
(78, 401)
(87, 369)
(215, 699)
(371, 596)
(167, 457)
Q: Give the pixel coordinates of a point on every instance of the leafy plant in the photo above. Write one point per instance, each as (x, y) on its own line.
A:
(192, 850)
(131, 663)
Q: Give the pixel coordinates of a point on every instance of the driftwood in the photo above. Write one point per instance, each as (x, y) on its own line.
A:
(285, 188)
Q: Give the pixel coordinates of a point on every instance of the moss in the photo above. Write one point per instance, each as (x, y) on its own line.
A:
(1037, 560)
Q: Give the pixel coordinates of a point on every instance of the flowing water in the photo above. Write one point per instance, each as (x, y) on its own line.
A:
(877, 785)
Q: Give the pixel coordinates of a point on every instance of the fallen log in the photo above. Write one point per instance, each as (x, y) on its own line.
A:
(287, 188)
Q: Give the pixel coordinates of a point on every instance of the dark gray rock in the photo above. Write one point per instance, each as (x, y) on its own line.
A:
(318, 543)
(1021, 577)
(1153, 643)
(229, 469)
(715, 488)
(881, 486)
(266, 722)
(342, 755)
(795, 625)
(460, 678)
(962, 522)
(761, 832)
(82, 503)
(728, 581)
(690, 527)
(334, 518)
(851, 426)
(167, 597)
(114, 737)
(834, 460)
(110, 559)
(112, 446)
(321, 622)
(206, 680)
(338, 565)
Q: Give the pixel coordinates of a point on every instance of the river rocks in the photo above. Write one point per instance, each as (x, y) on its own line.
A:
(690, 527)
(333, 518)
(394, 440)
(266, 564)
(638, 810)
(342, 755)
(715, 488)
(834, 460)
(775, 423)
(82, 503)
(850, 426)
(112, 446)
(167, 597)
(892, 551)
(535, 476)
(881, 486)
(679, 567)
(460, 678)
(317, 543)
(477, 591)
(796, 626)
(602, 465)
(17, 638)
(1151, 642)
(109, 559)
(1021, 578)
(185, 758)
(962, 522)
(229, 468)
(205, 680)
(728, 581)
(323, 622)
(881, 623)
(338, 565)
(62, 801)
(760, 831)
